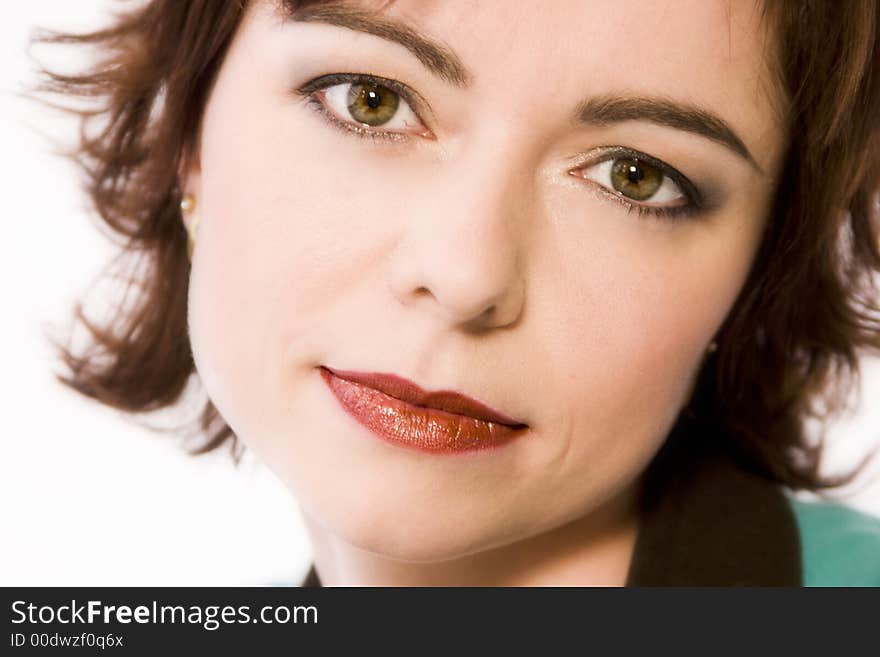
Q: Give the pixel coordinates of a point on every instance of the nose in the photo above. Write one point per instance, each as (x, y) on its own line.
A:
(461, 255)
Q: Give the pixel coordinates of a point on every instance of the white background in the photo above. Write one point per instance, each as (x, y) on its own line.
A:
(88, 498)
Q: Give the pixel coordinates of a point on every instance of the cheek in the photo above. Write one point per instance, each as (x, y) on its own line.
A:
(284, 239)
(631, 332)
(263, 244)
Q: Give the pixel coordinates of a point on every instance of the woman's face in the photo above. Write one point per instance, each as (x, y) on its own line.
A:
(553, 214)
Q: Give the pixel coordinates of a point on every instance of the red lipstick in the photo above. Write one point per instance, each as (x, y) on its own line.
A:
(399, 411)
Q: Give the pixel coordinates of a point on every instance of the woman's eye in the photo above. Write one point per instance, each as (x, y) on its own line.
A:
(361, 105)
(637, 180)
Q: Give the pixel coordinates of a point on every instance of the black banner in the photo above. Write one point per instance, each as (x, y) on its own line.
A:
(283, 620)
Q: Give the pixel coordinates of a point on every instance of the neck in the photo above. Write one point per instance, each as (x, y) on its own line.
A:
(593, 550)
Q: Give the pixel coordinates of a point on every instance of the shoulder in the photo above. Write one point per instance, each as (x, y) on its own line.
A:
(840, 546)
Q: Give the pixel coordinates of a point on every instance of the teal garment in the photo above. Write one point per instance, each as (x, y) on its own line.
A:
(840, 546)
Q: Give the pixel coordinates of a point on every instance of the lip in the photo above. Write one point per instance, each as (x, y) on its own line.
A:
(399, 411)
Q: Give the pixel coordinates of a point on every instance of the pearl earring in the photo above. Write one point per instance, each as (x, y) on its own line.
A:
(187, 207)
(713, 346)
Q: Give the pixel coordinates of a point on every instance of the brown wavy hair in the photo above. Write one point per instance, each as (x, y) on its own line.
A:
(787, 351)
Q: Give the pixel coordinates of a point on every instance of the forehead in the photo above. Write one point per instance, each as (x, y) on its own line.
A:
(690, 48)
(725, 28)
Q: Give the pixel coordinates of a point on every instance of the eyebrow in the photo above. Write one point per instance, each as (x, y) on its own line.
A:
(435, 56)
(443, 62)
(605, 110)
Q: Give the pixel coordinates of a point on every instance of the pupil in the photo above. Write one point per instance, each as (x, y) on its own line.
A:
(634, 173)
(373, 99)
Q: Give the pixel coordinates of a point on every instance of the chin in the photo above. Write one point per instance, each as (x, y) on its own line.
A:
(402, 533)
(433, 545)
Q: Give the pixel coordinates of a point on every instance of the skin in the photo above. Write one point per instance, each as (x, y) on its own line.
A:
(469, 258)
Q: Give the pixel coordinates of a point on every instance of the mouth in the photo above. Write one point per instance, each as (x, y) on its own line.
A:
(400, 412)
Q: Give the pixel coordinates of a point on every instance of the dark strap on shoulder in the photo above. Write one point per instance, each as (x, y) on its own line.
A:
(707, 520)
(311, 580)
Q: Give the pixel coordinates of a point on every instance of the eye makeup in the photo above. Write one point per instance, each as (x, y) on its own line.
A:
(694, 201)
(311, 92)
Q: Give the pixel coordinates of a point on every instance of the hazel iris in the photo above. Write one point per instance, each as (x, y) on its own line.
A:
(372, 104)
(635, 179)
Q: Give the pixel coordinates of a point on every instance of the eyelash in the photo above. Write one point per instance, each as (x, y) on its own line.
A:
(693, 207)
(670, 214)
(310, 89)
